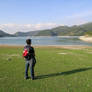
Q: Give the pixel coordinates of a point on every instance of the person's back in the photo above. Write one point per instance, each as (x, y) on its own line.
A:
(30, 59)
(31, 52)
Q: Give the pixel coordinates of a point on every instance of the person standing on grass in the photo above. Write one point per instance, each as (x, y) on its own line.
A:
(29, 55)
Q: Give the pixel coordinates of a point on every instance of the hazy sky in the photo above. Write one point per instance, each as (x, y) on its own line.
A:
(27, 15)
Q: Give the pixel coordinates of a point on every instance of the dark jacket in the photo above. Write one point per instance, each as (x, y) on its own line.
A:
(31, 52)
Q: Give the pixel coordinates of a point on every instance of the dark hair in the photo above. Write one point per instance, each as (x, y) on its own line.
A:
(28, 41)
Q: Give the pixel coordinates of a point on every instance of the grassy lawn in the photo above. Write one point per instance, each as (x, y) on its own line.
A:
(56, 70)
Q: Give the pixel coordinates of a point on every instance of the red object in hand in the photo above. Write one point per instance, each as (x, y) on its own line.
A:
(25, 52)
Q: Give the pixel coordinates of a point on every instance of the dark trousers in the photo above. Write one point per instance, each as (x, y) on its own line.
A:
(30, 65)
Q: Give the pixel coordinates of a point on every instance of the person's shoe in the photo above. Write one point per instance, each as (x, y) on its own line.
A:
(26, 78)
(33, 78)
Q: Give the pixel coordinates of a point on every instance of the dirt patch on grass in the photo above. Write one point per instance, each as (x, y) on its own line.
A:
(10, 46)
(49, 46)
(65, 47)
(62, 53)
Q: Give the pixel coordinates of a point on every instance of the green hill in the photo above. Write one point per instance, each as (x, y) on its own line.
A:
(31, 33)
(60, 31)
(3, 34)
(85, 29)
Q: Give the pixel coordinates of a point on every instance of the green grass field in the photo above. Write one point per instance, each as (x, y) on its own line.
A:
(56, 70)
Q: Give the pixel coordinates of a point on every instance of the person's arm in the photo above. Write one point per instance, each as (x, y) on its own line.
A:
(34, 52)
(22, 52)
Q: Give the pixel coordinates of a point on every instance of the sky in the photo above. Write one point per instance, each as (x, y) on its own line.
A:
(31, 15)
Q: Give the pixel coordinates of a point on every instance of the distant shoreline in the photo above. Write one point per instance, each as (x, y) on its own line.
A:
(85, 38)
(61, 41)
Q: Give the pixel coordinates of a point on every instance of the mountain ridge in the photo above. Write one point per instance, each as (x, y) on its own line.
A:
(4, 34)
(61, 31)
(76, 30)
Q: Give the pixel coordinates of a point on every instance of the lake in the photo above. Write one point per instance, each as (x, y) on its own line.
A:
(36, 40)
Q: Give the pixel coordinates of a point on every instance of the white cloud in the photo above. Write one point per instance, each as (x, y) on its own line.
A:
(81, 15)
(12, 28)
(73, 19)
(79, 18)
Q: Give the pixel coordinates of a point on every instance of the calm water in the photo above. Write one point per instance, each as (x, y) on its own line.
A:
(63, 40)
